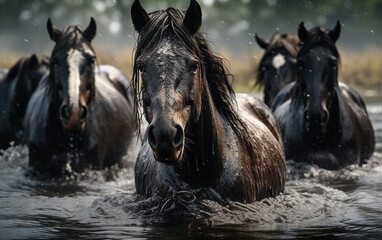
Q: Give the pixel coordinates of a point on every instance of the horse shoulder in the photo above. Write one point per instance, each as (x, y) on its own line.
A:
(356, 118)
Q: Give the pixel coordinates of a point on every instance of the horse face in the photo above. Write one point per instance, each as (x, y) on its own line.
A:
(279, 70)
(170, 77)
(171, 80)
(72, 75)
(318, 74)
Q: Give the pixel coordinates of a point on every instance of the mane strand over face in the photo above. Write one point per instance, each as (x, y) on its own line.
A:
(212, 67)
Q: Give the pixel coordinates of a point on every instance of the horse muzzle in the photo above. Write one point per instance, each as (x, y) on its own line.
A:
(167, 143)
(73, 118)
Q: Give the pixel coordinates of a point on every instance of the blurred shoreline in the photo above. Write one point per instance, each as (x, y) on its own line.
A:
(361, 70)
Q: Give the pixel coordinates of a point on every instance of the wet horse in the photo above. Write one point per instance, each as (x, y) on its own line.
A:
(277, 67)
(323, 121)
(198, 135)
(80, 115)
(16, 88)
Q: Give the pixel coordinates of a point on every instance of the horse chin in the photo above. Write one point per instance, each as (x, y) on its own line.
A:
(75, 128)
(172, 160)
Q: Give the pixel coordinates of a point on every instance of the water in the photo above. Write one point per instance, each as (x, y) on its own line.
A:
(316, 204)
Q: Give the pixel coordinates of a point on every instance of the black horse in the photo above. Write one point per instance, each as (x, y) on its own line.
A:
(80, 115)
(323, 121)
(198, 136)
(16, 88)
(277, 67)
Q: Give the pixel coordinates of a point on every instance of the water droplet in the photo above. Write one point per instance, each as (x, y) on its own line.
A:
(372, 31)
(310, 70)
(26, 40)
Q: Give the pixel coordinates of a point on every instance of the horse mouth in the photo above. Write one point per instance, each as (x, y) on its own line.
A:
(169, 160)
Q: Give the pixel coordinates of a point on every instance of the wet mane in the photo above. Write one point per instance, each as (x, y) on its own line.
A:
(289, 42)
(213, 70)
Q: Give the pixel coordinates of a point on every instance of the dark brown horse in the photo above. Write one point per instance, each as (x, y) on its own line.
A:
(80, 115)
(277, 67)
(323, 121)
(16, 88)
(199, 135)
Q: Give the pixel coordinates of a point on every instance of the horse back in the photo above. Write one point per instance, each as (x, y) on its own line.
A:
(117, 78)
(265, 171)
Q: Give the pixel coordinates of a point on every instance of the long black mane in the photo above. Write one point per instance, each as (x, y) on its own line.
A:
(213, 70)
(278, 41)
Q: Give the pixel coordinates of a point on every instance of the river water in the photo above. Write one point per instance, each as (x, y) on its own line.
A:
(316, 204)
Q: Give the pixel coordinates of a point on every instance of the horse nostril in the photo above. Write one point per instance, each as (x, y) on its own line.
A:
(64, 112)
(151, 137)
(178, 139)
(83, 112)
(325, 116)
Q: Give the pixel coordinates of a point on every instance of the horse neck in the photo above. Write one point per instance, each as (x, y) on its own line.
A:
(205, 158)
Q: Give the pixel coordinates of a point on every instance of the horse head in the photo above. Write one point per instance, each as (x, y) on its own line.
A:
(318, 62)
(171, 71)
(72, 79)
(277, 66)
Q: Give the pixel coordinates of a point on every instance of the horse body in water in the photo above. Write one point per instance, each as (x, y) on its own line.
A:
(323, 121)
(277, 67)
(80, 116)
(197, 136)
(16, 87)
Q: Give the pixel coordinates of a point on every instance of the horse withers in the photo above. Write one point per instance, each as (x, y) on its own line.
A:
(199, 136)
(16, 87)
(323, 121)
(81, 115)
(277, 67)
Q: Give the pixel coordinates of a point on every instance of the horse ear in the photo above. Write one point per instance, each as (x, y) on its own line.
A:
(139, 16)
(193, 18)
(53, 31)
(91, 30)
(335, 33)
(262, 43)
(302, 32)
(33, 61)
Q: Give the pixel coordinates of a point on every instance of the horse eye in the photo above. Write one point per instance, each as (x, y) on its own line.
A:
(92, 60)
(55, 62)
(190, 102)
(88, 86)
(194, 66)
